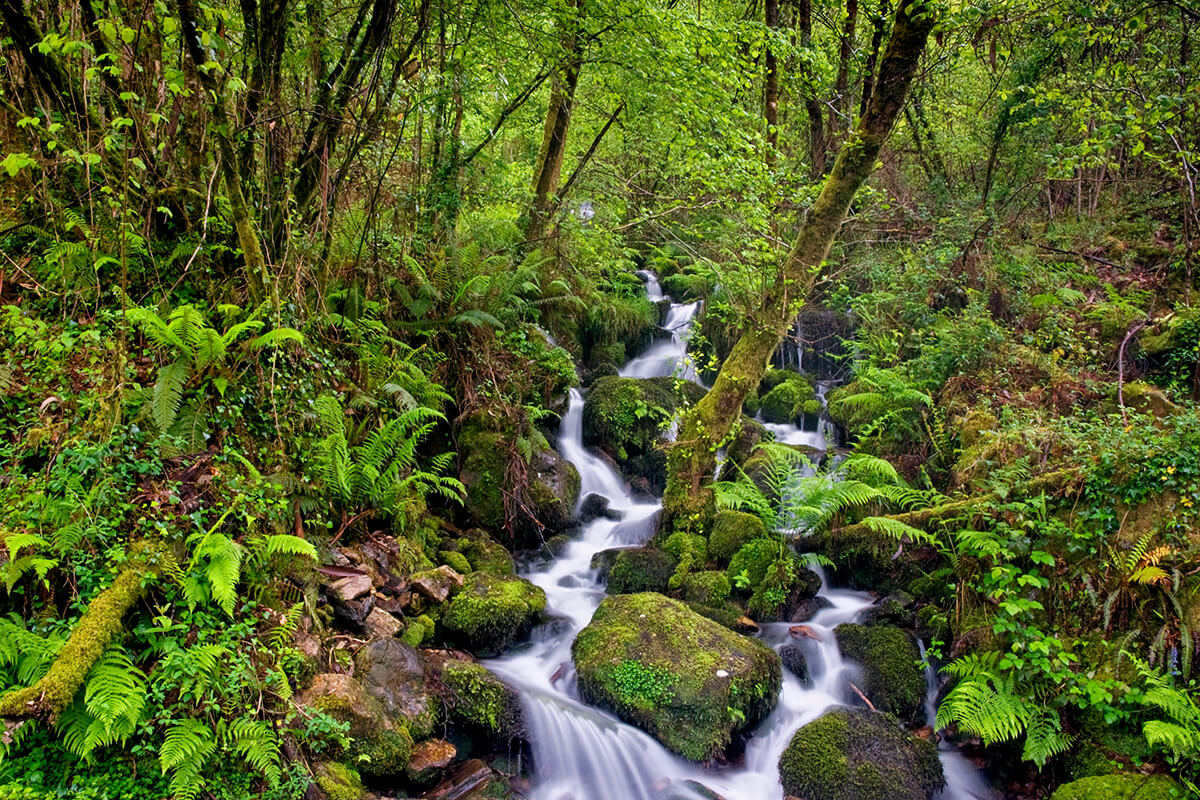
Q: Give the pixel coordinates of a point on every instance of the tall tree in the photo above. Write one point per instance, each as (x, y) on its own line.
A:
(692, 458)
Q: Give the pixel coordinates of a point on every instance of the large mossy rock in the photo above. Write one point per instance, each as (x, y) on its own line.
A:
(683, 678)
(481, 703)
(1120, 787)
(789, 397)
(888, 657)
(731, 531)
(551, 484)
(851, 754)
(625, 418)
(645, 569)
(381, 744)
(394, 673)
(491, 612)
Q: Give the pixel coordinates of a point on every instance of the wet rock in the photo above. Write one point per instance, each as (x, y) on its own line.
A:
(685, 679)
(352, 613)
(381, 744)
(795, 660)
(808, 608)
(789, 400)
(394, 673)
(897, 609)
(707, 588)
(491, 612)
(436, 584)
(1122, 786)
(594, 507)
(464, 779)
(850, 754)
(603, 561)
(337, 781)
(888, 658)
(429, 758)
(485, 554)
(379, 624)
(805, 632)
(351, 588)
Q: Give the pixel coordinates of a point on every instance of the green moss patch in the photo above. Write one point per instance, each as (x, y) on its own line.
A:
(1120, 787)
(491, 612)
(889, 658)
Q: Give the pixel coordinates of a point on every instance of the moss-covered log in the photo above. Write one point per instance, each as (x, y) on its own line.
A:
(102, 621)
(691, 462)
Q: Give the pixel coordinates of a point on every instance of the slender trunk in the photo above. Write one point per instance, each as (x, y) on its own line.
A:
(260, 282)
(839, 122)
(771, 83)
(812, 106)
(691, 459)
(554, 135)
(878, 23)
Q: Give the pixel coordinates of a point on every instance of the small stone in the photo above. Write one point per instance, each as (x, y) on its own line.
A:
(429, 757)
(437, 584)
(595, 506)
(927, 733)
(805, 632)
(796, 662)
(352, 588)
(746, 625)
(381, 625)
(807, 608)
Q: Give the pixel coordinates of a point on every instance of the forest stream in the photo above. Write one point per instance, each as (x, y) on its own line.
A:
(584, 753)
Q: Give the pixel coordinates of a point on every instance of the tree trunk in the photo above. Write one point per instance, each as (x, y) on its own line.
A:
(692, 458)
(878, 24)
(812, 106)
(771, 83)
(839, 122)
(554, 136)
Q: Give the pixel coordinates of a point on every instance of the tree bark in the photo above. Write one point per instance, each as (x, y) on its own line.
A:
(771, 83)
(812, 106)
(839, 122)
(554, 135)
(692, 458)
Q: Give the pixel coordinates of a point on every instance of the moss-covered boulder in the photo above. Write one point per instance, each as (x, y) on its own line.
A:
(731, 531)
(708, 588)
(485, 554)
(491, 612)
(790, 400)
(626, 418)
(393, 672)
(751, 562)
(1120, 787)
(551, 483)
(685, 679)
(480, 703)
(889, 659)
(851, 754)
(642, 570)
(380, 744)
(337, 781)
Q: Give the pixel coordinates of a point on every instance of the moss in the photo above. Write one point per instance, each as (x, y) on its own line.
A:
(641, 570)
(338, 781)
(751, 404)
(975, 426)
(848, 754)
(485, 554)
(731, 531)
(490, 612)
(771, 592)
(682, 677)
(455, 561)
(753, 560)
(685, 286)
(789, 401)
(420, 631)
(1120, 787)
(379, 746)
(689, 550)
(707, 588)
(889, 658)
(724, 614)
(478, 699)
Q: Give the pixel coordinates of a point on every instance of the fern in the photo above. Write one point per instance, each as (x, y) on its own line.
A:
(114, 700)
(184, 753)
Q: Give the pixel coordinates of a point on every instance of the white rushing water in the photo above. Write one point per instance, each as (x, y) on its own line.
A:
(582, 753)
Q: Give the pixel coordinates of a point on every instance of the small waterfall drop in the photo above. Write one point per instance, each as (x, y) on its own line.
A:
(964, 781)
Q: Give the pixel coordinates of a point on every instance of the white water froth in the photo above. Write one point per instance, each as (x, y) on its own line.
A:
(583, 753)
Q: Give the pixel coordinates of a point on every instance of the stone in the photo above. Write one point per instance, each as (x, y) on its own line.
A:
(436, 584)
(381, 745)
(683, 678)
(644, 569)
(351, 588)
(594, 507)
(888, 658)
(795, 661)
(491, 612)
(852, 754)
(731, 530)
(480, 703)
(805, 632)
(896, 609)
(809, 607)
(429, 758)
(1123, 786)
(337, 781)
(379, 624)
(466, 778)
(393, 672)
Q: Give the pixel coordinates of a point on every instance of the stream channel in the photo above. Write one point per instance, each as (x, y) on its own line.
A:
(583, 753)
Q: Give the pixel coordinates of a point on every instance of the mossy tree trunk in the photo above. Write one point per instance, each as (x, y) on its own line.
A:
(101, 623)
(692, 459)
(558, 121)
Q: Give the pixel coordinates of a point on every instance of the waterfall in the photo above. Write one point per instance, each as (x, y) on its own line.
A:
(963, 779)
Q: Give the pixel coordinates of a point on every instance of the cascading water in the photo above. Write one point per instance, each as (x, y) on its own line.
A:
(963, 779)
(582, 753)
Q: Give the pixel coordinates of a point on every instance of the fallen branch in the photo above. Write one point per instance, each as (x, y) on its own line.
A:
(863, 697)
